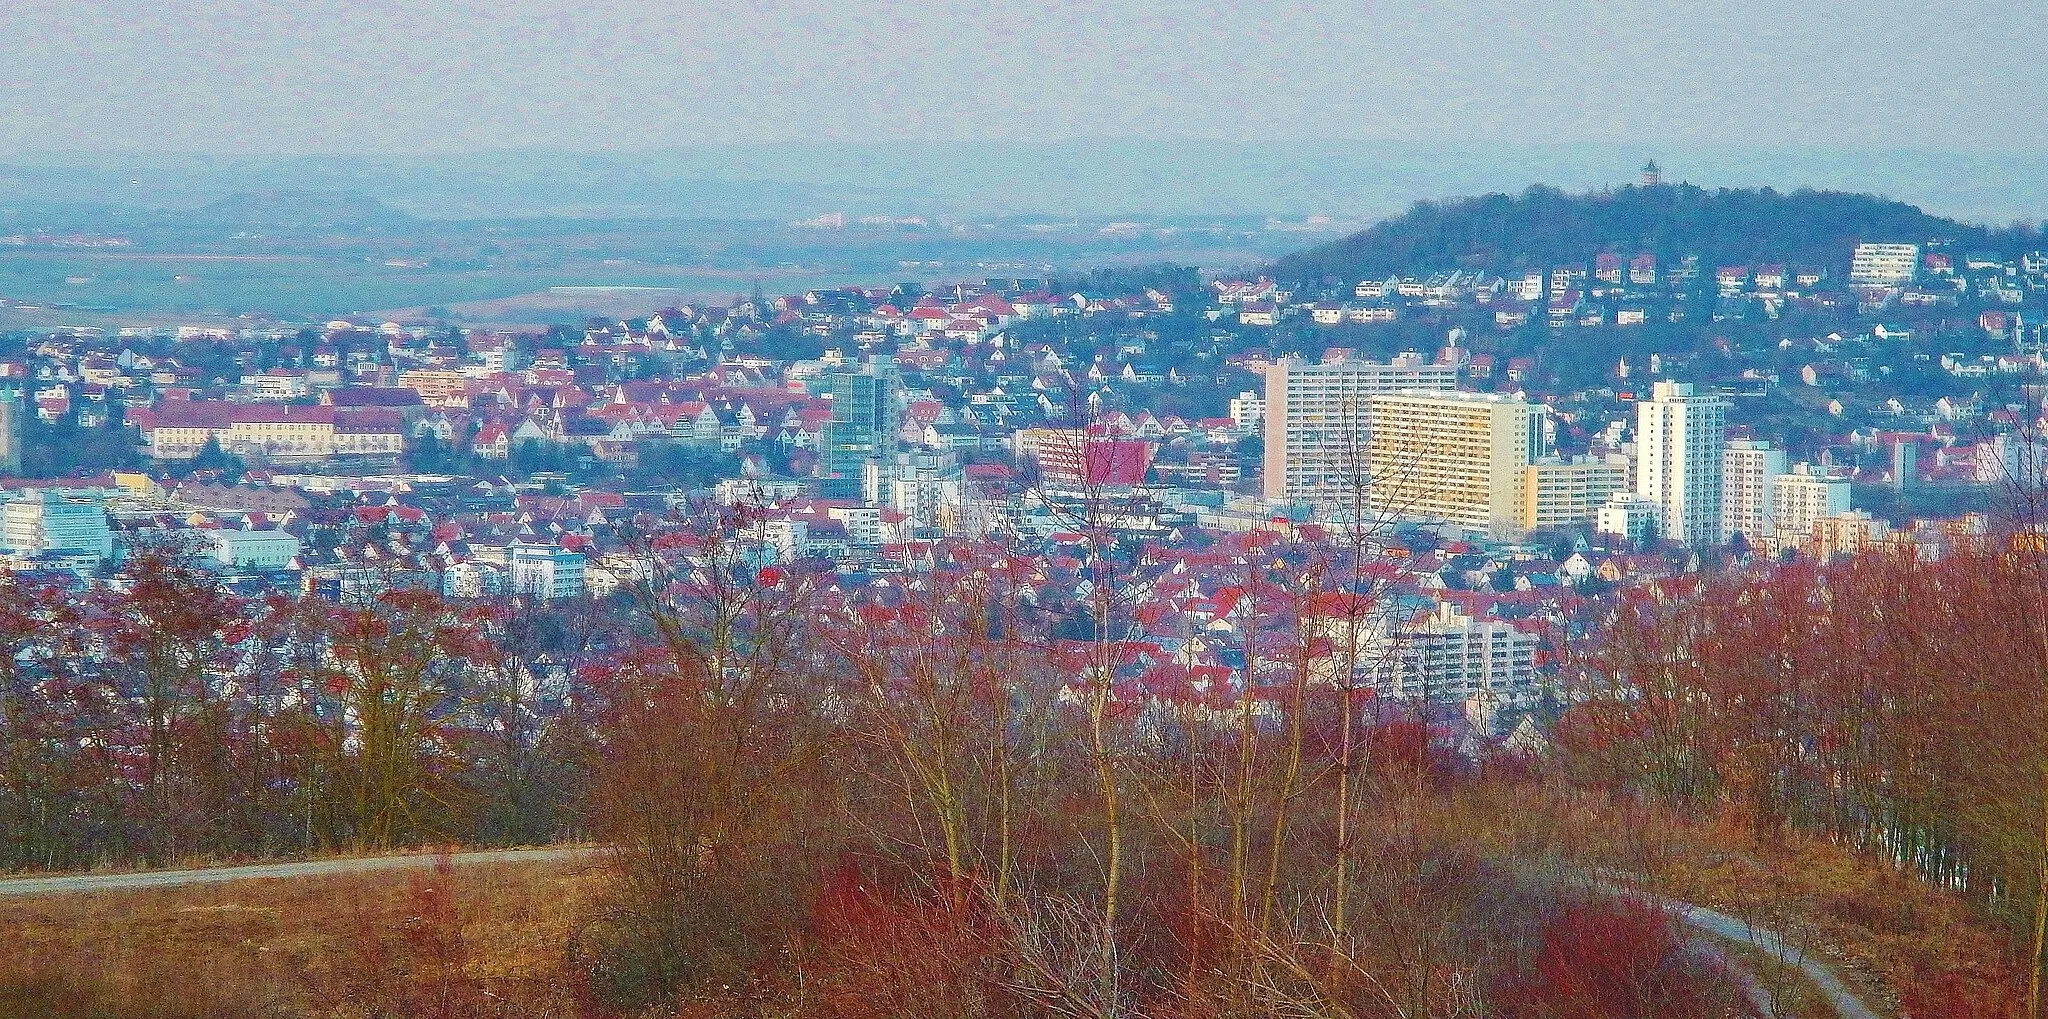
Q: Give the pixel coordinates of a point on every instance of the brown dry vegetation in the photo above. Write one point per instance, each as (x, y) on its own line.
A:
(507, 940)
(1900, 942)
(476, 941)
(1869, 736)
(947, 800)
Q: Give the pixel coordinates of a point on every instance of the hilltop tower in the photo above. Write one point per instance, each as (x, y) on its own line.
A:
(1653, 174)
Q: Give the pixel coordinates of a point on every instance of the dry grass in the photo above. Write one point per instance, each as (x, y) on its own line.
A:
(481, 940)
(1884, 932)
(500, 940)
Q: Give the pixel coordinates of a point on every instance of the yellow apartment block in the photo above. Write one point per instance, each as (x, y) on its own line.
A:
(1454, 458)
(1568, 493)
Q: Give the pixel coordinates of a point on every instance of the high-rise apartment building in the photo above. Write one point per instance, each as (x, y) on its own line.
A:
(1748, 469)
(1454, 458)
(1568, 493)
(1905, 464)
(1884, 264)
(1316, 424)
(1802, 498)
(1678, 460)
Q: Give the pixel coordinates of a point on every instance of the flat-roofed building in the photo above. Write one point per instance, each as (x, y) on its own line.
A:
(1679, 436)
(255, 549)
(1884, 264)
(1802, 497)
(437, 387)
(1441, 655)
(1074, 458)
(1749, 469)
(46, 523)
(1454, 458)
(1628, 516)
(1568, 493)
(1316, 424)
(1845, 533)
(546, 572)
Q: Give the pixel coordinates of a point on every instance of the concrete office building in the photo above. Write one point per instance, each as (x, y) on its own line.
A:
(255, 550)
(44, 523)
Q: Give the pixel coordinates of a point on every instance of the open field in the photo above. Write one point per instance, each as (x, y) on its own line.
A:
(127, 288)
(493, 936)
(506, 939)
(310, 261)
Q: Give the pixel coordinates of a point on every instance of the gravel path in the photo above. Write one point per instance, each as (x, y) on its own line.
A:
(307, 868)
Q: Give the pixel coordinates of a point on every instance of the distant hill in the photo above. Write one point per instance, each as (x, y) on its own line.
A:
(1544, 226)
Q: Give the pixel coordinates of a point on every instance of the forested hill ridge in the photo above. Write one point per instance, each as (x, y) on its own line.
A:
(1544, 226)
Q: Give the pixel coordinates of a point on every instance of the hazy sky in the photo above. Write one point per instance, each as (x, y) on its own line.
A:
(260, 76)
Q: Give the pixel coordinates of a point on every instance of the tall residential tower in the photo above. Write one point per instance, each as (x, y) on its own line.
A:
(1749, 470)
(1678, 461)
(862, 430)
(11, 413)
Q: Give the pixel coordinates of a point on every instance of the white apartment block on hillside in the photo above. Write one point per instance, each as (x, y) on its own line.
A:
(1884, 264)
